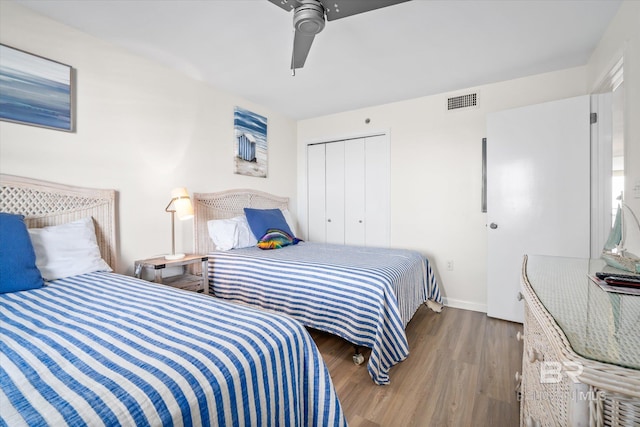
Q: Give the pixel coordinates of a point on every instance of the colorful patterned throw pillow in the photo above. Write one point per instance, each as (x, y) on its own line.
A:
(276, 239)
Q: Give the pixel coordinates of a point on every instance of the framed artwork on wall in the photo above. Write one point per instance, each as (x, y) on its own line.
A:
(250, 143)
(35, 90)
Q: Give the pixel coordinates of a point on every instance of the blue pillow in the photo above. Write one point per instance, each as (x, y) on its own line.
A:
(261, 220)
(18, 271)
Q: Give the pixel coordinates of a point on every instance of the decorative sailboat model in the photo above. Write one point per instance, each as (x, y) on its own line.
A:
(622, 249)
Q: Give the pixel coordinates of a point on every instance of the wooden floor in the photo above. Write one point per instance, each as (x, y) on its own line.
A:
(460, 372)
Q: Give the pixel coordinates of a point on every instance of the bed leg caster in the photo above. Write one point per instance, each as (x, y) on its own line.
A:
(358, 358)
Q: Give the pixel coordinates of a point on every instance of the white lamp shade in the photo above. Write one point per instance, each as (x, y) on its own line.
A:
(182, 203)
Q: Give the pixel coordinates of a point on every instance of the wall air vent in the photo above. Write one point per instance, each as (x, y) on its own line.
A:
(462, 101)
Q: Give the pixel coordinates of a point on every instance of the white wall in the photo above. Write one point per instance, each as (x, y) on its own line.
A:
(435, 156)
(622, 40)
(436, 171)
(142, 129)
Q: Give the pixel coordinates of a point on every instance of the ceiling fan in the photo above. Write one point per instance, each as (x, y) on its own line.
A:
(309, 19)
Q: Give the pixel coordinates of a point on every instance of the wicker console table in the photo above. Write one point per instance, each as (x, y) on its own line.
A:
(581, 360)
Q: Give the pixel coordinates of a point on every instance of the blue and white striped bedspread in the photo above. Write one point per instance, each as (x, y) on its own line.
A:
(106, 349)
(364, 295)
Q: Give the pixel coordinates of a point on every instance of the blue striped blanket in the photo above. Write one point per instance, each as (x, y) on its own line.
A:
(364, 295)
(106, 349)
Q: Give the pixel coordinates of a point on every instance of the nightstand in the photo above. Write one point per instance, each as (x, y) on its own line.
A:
(187, 280)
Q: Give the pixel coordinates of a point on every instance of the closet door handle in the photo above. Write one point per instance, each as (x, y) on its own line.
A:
(329, 220)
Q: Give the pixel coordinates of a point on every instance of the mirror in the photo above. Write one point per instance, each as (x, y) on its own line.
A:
(617, 149)
(607, 155)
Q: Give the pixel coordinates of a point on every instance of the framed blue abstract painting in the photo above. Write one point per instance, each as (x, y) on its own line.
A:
(35, 91)
(250, 143)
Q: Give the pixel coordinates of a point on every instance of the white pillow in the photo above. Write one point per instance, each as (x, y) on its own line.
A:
(245, 235)
(231, 233)
(290, 222)
(67, 250)
(224, 233)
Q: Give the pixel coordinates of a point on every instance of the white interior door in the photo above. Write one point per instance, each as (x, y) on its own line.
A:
(354, 192)
(377, 190)
(316, 193)
(335, 192)
(538, 191)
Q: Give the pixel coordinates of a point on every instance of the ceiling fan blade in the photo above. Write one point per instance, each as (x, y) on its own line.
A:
(309, 19)
(287, 5)
(301, 45)
(336, 9)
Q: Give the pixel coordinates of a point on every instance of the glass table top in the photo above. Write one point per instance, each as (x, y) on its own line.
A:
(600, 325)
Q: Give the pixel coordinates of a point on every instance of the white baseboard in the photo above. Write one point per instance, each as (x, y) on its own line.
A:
(465, 305)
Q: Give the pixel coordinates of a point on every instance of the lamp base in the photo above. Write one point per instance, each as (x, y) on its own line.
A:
(174, 256)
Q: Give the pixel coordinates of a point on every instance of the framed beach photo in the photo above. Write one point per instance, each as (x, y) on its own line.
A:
(250, 143)
(35, 91)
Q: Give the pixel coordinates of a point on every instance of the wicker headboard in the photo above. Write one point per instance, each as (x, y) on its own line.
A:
(45, 203)
(227, 204)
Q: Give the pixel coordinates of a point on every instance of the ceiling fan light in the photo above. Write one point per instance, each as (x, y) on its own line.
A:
(308, 18)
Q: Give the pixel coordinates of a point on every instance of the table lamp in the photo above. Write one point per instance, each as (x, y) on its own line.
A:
(181, 206)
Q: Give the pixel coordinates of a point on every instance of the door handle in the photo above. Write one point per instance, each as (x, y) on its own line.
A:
(493, 226)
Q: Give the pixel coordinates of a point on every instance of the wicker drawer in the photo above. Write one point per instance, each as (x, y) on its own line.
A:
(543, 401)
(550, 395)
(537, 414)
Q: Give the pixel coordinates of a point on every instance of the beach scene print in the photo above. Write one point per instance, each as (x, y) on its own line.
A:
(250, 143)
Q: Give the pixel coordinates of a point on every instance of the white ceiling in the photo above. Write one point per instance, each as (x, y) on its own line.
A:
(413, 49)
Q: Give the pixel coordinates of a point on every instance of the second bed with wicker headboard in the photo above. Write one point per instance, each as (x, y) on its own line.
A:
(364, 295)
(224, 205)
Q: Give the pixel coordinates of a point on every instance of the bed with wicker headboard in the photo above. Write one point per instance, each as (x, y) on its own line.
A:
(46, 203)
(101, 348)
(227, 204)
(364, 295)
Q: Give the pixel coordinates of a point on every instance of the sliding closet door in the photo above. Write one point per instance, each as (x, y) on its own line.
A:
(316, 190)
(335, 191)
(348, 192)
(377, 177)
(354, 192)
